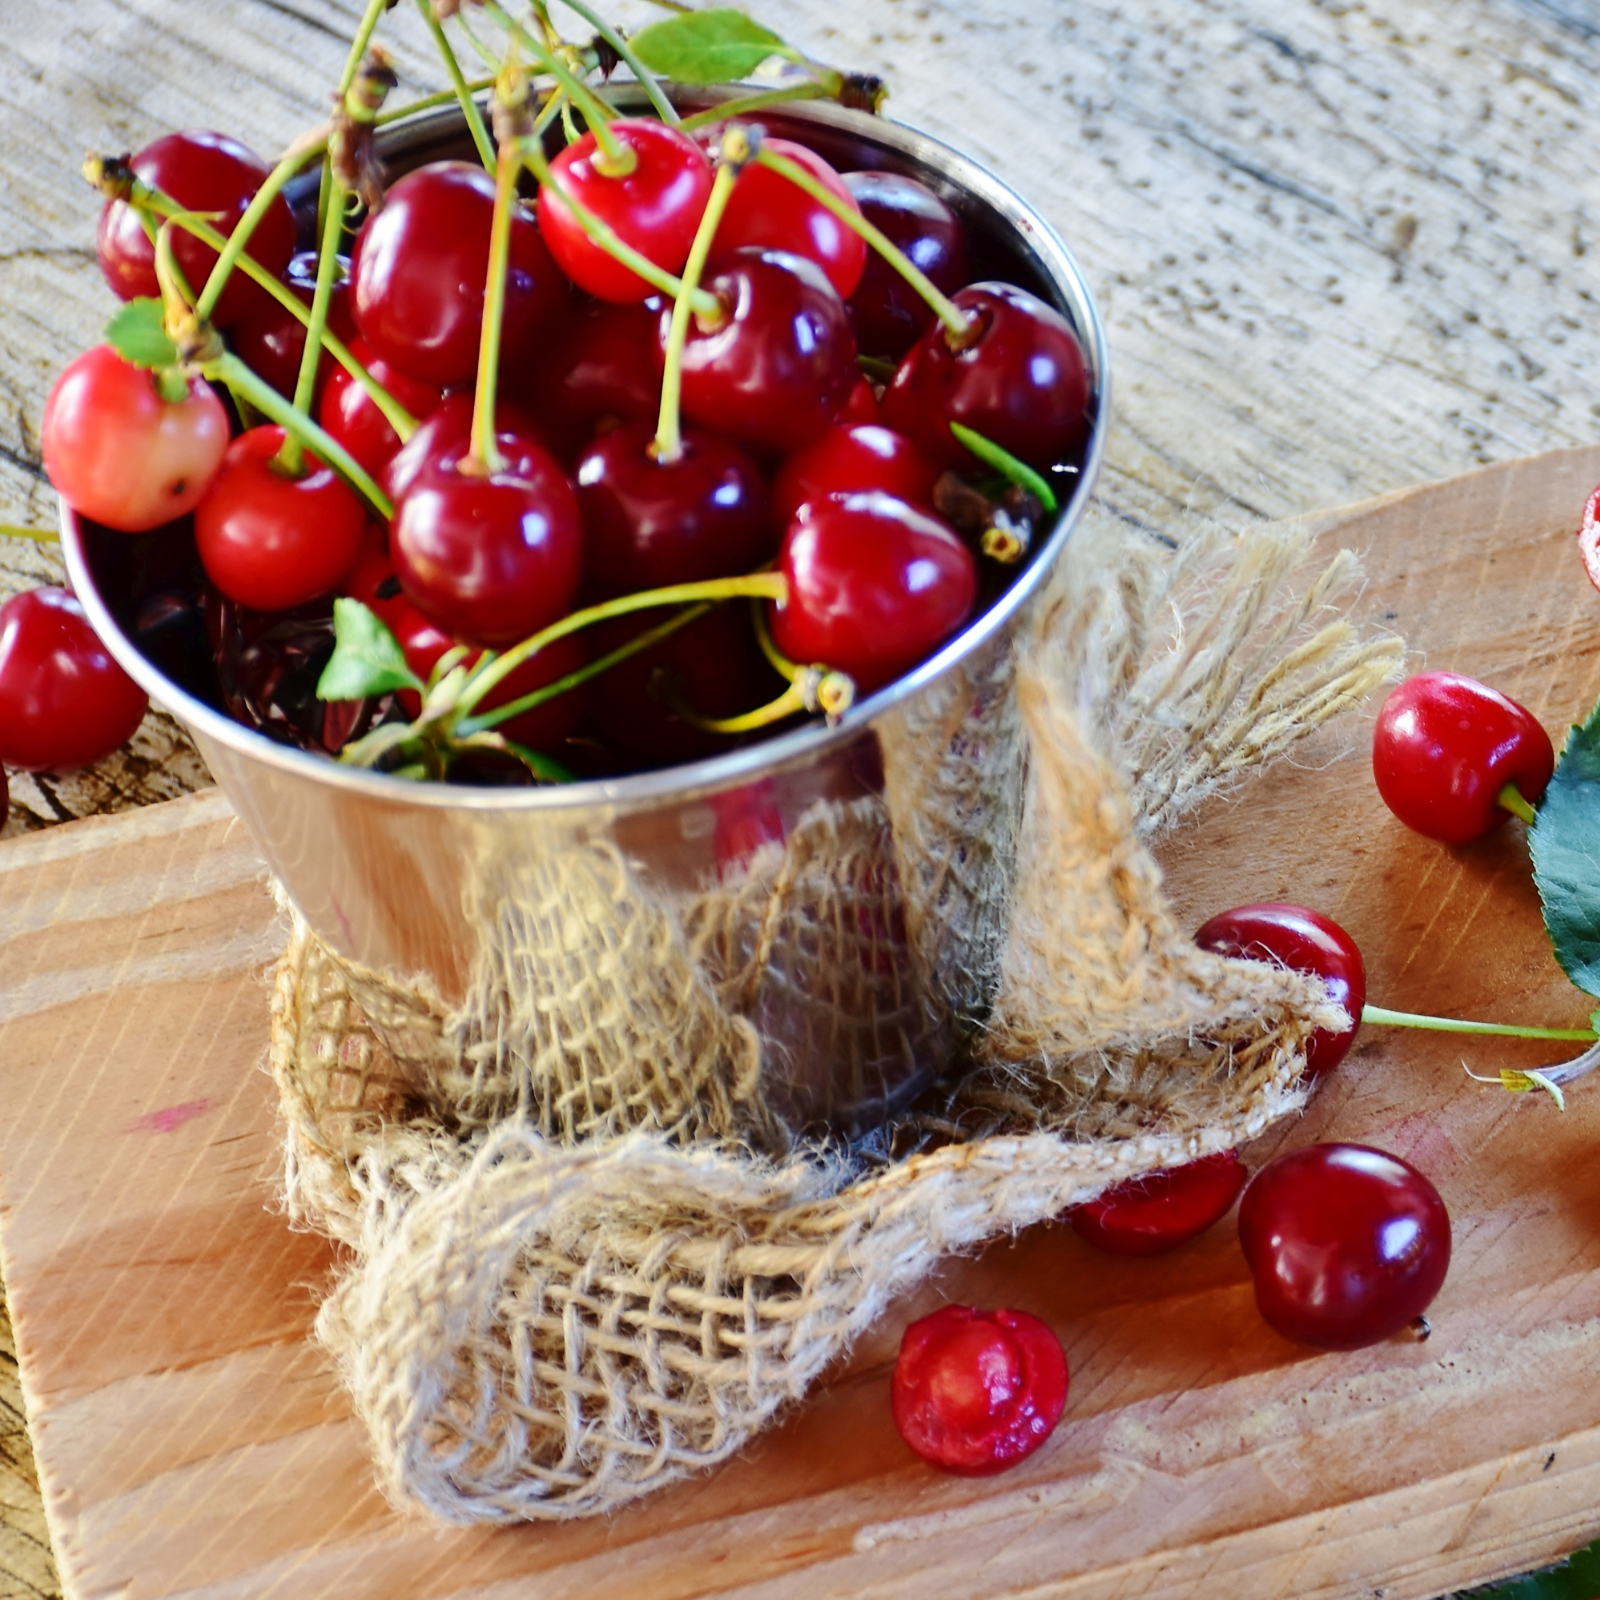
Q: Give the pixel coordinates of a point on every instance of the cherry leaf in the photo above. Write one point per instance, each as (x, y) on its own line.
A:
(138, 333)
(367, 658)
(1565, 844)
(717, 46)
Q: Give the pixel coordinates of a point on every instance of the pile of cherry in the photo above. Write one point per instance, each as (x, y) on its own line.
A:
(723, 444)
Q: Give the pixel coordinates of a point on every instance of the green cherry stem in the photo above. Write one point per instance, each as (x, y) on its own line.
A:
(229, 369)
(459, 86)
(767, 585)
(291, 458)
(748, 103)
(958, 325)
(788, 704)
(615, 159)
(582, 675)
(1511, 799)
(430, 102)
(704, 304)
(37, 535)
(1502, 1030)
(164, 206)
(732, 155)
(647, 79)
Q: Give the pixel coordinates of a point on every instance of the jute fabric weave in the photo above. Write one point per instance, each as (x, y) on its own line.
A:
(586, 1253)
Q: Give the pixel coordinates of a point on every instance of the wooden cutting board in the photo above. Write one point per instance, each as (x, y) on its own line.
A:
(191, 1442)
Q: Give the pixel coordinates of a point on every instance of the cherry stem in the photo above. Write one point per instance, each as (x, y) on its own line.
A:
(745, 104)
(582, 675)
(958, 324)
(176, 300)
(395, 414)
(429, 102)
(647, 79)
(615, 159)
(298, 154)
(511, 103)
(291, 458)
(1411, 1019)
(731, 157)
(459, 86)
(358, 45)
(766, 585)
(705, 305)
(229, 369)
(1511, 799)
(38, 535)
(790, 703)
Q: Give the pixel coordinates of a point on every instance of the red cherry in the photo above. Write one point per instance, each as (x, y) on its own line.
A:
(204, 172)
(63, 701)
(1346, 1244)
(1161, 1210)
(450, 422)
(888, 313)
(270, 541)
(120, 454)
(713, 664)
(655, 208)
(1307, 941)
(1443, 748)
(418, 274)
(602, 370)
(846, 460)
(976, 1391)
(765, 210)
(862, 406)
(489, 557)
(270, 340)
(875, 587)
(1023, 383)
(781, 364)
(347, 411)
(651, 523)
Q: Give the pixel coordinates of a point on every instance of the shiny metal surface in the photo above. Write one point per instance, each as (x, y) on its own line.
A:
(391, 874)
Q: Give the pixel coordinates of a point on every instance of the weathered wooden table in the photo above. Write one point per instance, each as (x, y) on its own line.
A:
(1340, 248)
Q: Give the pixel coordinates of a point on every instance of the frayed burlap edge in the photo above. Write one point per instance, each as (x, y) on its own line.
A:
(535, 1326)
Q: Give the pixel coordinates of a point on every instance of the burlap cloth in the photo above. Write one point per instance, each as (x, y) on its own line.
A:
(584, 1253)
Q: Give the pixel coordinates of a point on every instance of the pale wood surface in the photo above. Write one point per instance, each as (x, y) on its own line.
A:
(192, 1443)
(1341, 248)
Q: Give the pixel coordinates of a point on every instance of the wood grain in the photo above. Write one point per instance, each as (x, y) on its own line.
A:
(192, 1443)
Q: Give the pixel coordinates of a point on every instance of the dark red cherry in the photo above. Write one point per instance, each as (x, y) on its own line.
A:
(488, 557)
(848, 460)
(1444, 747)
(63, 701)
(1022, 383)
(655, 208)
(780, 365)
(768, 212)
(714, 666)
(888, 313)
(449, 422)
(862, 406)
(1347, 1244)
(205, 172)
(875, 587)
(1297, 937)
(976, 1391)
(270, 340)
(418, 274)
(603, 369)
(1157, 1212)
(651, 522)
(270, 541)
(348, 413)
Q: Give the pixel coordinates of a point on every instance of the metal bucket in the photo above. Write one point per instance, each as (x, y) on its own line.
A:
(391, 874)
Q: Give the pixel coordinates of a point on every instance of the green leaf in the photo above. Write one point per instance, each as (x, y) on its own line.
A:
(1576, 1578)
(1007, 465)
(1565, 844)
(367, 658)
(719, 46)
(138, 334)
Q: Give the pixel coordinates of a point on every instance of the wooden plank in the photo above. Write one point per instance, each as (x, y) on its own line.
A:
(192, 1443)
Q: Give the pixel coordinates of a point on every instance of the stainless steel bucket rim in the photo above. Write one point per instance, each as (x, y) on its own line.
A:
(749, 762)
